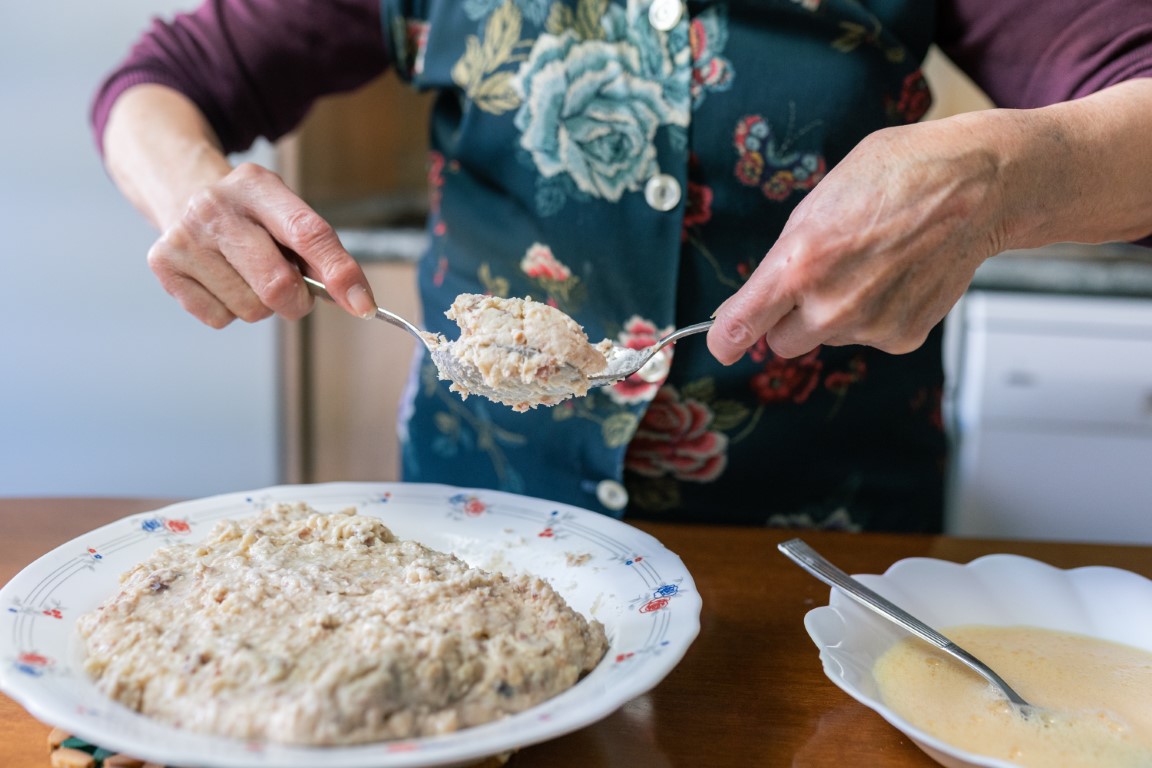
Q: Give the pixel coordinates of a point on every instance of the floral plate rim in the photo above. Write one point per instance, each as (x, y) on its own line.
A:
(639, 589)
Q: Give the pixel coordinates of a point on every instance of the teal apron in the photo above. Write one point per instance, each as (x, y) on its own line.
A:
(630, 163)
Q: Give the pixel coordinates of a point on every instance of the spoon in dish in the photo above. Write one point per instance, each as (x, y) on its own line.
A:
(811, 561)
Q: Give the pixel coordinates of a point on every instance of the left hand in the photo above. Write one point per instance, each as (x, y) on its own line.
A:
(879, 251)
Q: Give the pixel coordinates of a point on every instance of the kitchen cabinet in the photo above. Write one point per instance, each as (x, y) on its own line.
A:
(359, 159)
(1051, 416)
(353, 374)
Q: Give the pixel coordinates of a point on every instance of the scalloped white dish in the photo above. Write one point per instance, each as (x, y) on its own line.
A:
(605, 569)
(996, 590)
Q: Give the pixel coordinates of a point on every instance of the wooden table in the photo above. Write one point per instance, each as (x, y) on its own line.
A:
(750, 692)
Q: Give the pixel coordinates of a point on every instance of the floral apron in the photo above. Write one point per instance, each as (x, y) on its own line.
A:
(629, 162)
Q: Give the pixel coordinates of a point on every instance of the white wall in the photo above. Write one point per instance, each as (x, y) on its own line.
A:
(106, 386)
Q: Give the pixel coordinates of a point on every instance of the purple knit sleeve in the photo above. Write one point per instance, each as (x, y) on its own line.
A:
(253, 67)
(1025, 53)
(1029, 54)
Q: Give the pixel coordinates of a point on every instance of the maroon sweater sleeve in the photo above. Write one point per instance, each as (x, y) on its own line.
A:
(1029, 53)
(253, 67)
(1026, 54)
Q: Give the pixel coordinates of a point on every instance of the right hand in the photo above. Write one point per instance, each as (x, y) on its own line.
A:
(240, 246)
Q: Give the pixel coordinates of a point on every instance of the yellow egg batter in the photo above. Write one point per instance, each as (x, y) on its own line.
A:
(1092, 698)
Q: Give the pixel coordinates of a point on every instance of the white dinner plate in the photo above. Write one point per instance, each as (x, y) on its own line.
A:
(605, 569)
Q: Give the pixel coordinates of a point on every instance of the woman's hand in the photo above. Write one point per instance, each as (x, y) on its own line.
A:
(239, 247)
(234, 241)
(878, 252)
(888, 241)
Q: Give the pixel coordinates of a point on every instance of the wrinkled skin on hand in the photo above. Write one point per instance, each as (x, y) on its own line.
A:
(239, 247)
(878, 252)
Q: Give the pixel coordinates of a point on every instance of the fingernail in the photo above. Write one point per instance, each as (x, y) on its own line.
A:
(362, 301)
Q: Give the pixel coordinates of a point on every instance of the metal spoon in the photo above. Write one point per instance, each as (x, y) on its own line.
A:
(624, 362)
(811, 561)
(462, 373)
(450, 367)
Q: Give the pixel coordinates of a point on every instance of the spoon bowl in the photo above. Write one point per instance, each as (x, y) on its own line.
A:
(563, 381)
(467, 377)
(811, 561)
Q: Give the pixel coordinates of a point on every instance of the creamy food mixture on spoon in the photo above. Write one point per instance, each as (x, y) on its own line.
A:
(518, 352)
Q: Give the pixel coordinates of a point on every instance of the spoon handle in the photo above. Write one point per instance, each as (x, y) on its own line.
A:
(813, 562)
(637, 359)
(317, 288)
(680, 333)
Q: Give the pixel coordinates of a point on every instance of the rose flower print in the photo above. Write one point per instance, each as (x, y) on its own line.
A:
(539, 263)
(788, 379)
(638, 333)
(675, 438)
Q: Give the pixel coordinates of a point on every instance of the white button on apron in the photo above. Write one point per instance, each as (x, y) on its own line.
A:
(665, 14)
(612, 495)
(662, 192)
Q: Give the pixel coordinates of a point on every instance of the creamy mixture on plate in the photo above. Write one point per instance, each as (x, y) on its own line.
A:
(1092, 698)
(519, 352)
(303, 627)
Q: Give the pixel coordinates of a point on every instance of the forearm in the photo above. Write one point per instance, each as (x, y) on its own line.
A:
(1079, 171)
(160, 151)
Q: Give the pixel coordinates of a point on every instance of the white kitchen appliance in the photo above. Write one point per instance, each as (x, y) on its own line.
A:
(1050, 406)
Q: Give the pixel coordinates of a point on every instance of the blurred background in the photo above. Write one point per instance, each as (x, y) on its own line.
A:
(108, 388)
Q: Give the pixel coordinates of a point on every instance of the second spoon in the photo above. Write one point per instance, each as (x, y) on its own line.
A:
(811, 561)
